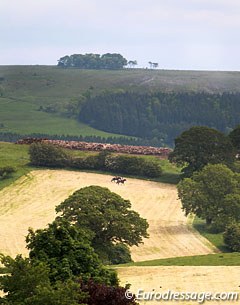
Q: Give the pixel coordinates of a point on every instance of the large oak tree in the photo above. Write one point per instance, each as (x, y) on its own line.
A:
(200, 146)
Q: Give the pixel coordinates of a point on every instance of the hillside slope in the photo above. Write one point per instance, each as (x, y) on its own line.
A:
(47, 99)
(31, 201)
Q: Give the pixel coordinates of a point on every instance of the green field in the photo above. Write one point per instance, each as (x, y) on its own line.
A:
(23, 89)
(215, 238)
(23, 118)
(17, 157)
(219, 259)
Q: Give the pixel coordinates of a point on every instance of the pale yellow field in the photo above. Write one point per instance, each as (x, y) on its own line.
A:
(182, 279)
(31, 201)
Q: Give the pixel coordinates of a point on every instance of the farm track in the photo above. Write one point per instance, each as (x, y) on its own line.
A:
(31, 201)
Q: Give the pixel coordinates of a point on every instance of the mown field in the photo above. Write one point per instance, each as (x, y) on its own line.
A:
(23, 89)
(175, 257)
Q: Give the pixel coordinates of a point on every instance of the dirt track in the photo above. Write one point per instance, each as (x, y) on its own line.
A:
(31, 201)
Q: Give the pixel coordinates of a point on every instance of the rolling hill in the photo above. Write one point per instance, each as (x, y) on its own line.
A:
(42, 99)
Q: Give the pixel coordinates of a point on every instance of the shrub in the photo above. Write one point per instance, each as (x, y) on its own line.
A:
(45, 154)
(133, 166)
(101, 294)
(232, 237)
(6, 171)
(152, 169)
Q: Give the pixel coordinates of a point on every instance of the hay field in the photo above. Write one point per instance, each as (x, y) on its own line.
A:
(31, 201)
(182, 279)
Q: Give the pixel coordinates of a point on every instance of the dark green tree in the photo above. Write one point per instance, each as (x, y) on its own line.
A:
(200, 146)
(234, 136)
(232, 236)
(212, 194)
(45, 154)
(67, 251)
(104, 214)
(27, 283)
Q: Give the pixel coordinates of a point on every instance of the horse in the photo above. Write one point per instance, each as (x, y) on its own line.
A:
(115, 179)
(121, 181)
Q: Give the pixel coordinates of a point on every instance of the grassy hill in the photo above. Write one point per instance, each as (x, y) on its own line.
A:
(23, 89)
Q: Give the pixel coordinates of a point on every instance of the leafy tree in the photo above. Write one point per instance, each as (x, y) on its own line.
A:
(100, 294)
(67, 251)
(93, 61)
(212, 194)
(28, 283)
(105, 215)
(132, 63)
(232, 237)
(160, 117)
(234, 136)
(45, 154)
(200, 146)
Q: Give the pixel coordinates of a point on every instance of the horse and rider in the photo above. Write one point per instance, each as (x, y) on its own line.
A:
(118, 180)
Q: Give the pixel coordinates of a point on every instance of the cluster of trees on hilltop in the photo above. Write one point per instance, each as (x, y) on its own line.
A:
(160, 116)
(110, 61)
(211, 185)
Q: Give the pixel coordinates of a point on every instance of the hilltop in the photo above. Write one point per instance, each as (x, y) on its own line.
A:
(46, 99)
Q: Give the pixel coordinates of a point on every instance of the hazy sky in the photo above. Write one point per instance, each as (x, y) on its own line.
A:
(178, 34)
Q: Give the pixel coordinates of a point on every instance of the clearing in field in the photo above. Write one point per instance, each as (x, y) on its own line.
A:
(31, 201)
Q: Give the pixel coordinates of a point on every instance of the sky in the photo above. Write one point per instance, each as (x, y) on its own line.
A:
(177, 34)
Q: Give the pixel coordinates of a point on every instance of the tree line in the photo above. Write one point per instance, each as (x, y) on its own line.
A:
(160, 117)
(108, 61)
(210, 184)
(48, 155)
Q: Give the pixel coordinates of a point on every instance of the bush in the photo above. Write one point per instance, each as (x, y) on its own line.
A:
(101, 294)
(45, 154)
(133, 166)
(6, 171)
(152, 169)
(232, 237)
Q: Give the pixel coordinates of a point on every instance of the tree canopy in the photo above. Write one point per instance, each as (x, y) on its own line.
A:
(67, 251)
(160, 116)
(105, 215)
(200, 146)
(212, 194)
(234, 136)
(109, 61)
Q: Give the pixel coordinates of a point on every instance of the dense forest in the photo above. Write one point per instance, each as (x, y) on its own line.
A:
(160, 117)
(111, 61)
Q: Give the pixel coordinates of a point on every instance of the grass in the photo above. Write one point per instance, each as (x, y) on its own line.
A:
(17, 157)
(215, 238)
(219, 259)
(23, 118)
(25, 88)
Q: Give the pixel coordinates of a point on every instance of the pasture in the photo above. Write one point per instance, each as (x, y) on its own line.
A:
(23, 89)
